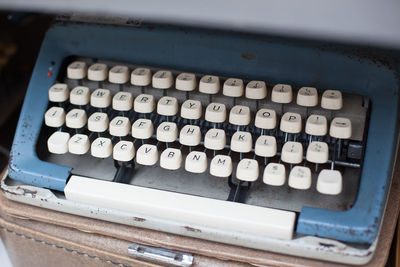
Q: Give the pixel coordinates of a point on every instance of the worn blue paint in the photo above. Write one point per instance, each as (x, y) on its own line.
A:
(232, 54)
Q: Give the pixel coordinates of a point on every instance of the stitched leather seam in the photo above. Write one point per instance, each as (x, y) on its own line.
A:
(64, 248)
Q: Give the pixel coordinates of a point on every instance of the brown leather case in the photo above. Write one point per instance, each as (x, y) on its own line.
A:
(40, 237)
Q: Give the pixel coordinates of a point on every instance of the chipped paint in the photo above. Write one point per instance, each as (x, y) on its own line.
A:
(27, 191)
(248, 56)
(139, 219)
(325, 245)
(191, 229)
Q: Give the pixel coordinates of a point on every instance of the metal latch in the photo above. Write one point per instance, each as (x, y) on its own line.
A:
(161, 255)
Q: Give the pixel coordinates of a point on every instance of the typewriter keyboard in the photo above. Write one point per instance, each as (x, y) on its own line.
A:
(225, 138)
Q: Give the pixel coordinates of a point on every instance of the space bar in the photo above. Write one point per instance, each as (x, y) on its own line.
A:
(182, 208)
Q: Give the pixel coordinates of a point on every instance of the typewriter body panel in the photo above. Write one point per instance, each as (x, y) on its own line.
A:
(370, 74)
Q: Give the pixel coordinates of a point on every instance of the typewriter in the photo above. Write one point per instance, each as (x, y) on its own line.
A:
(269, 143)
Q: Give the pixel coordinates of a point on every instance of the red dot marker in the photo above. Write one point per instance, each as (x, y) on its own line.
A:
(49, 73)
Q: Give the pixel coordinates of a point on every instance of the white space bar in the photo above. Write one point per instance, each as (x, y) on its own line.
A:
(187, 209)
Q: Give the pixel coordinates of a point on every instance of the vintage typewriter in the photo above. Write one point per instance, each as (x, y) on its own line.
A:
(269, 143)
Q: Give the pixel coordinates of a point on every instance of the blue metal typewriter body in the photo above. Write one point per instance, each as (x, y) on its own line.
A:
(322, 65)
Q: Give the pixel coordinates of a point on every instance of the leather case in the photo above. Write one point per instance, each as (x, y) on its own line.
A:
(35, 236)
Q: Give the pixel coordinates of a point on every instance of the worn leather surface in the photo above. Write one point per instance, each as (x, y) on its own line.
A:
(32, 243)
(41, 237)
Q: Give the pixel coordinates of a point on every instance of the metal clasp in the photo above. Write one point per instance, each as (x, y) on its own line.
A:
(161, 255)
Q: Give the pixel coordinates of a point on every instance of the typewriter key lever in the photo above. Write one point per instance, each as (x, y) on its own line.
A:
(238, 191)
(340, 129)
(247, 171)
(124, 171)
(123, 154)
